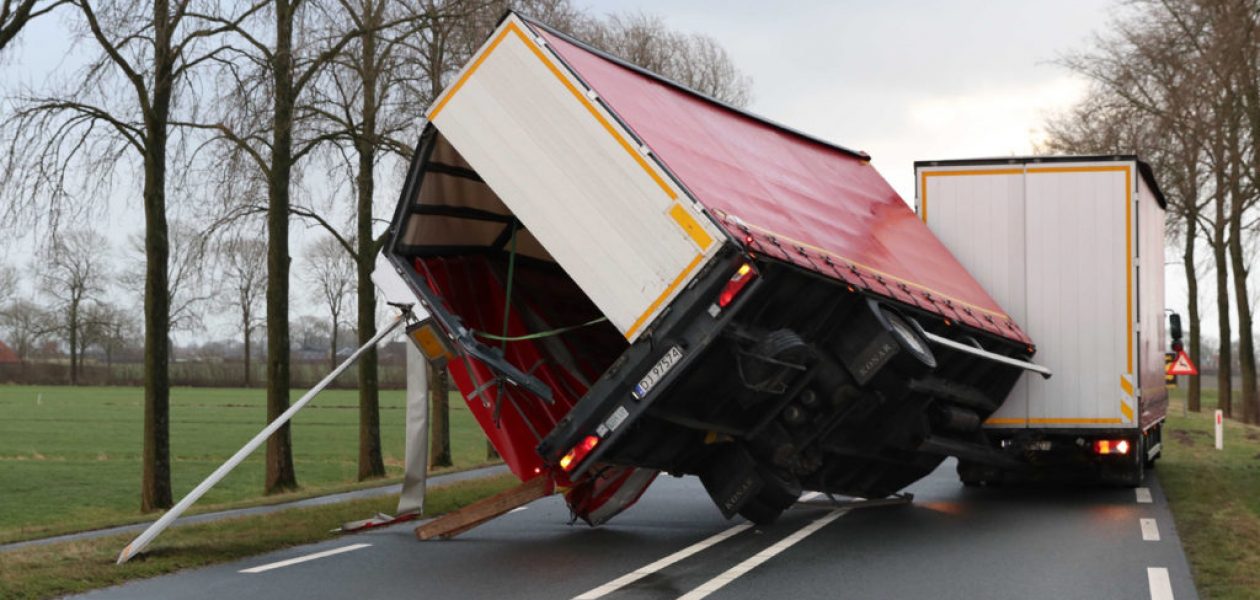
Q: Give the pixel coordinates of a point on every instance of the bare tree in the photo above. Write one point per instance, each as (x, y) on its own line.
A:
(74, 272)
(121, 107)
(243, 262)
(8, 281)
(1184, 67)
(189, 275)
(331, 275)
(26, 324)
(16, 14)
(364, 103)
(111, 328)
(694, 60)
(273, 138)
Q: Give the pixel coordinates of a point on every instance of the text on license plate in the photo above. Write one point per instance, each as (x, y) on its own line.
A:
(658, 372)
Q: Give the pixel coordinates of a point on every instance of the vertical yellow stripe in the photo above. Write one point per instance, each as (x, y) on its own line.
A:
(689, 225)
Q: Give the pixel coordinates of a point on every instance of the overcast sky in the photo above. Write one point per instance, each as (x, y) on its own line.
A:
(901, 80)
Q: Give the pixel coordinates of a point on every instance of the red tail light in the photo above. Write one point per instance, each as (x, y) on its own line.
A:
(1111, 447)
(737, 283)
(579, 452)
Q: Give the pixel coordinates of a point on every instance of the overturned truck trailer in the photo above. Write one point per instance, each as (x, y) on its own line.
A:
(628, 277)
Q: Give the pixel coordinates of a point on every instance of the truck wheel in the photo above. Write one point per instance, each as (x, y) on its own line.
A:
(758, 513)
(908, 336)
(1137, 470)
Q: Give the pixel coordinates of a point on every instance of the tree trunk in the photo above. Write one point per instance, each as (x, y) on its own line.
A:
(1194, 387)
(440, 436)
(1224, 386)
(332, 346)
(155, 488)
(1238, 265)
(248, 366)
(73, 325)
(280, 475)
(371, 463)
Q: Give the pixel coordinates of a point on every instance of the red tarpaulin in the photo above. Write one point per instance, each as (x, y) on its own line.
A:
(788, 196)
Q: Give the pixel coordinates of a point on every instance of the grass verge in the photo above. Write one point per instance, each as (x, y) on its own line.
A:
(71, 567)
(1215, 498)
(70, 457)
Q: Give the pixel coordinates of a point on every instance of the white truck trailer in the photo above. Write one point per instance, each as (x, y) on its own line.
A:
(1073, 248)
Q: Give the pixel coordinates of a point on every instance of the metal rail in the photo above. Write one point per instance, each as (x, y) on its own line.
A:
(974, 351)
(142, 541)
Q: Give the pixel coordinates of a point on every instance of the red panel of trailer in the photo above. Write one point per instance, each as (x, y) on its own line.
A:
(789, 196)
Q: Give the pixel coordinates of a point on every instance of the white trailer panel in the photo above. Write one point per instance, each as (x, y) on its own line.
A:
(516, 100)
(1056, 244)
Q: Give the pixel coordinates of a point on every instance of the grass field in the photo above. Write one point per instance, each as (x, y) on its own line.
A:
(70, 456)
(1215, 498)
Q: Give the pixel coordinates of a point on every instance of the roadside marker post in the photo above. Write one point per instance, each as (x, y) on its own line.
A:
(1220, 430)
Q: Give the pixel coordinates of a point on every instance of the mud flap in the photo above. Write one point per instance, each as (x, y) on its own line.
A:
(732, 480)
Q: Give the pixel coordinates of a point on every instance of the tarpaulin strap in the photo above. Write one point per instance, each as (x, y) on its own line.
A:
(507, 300)
(541, 334)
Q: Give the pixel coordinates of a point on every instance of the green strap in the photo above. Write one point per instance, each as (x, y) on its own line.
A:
(507, 308)
(507, 300)
(541, 334)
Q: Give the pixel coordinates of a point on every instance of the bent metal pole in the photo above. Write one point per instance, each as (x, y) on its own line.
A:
(142, 541)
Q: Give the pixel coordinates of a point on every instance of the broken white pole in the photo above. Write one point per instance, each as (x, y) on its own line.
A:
(416, 453)
(142, 541)
(1220, 430)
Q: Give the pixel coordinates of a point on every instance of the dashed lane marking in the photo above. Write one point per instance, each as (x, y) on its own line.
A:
(1150, 530)
(1143, 495)
(306, 558)
(642, 572)
(749, 564)
(1161, 587)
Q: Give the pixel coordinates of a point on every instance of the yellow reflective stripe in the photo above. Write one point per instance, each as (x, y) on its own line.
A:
(659, 299)
(608, 126)
(1126, 386)
(689, 225)
(1126, 409)
(926, 174)
(1053, 421)
(1128, 223)
(1128, 241)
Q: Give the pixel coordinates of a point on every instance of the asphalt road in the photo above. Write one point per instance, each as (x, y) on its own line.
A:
(951, 542)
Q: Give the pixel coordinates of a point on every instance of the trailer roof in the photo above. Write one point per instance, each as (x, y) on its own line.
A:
(785, 194)
(1148, 175)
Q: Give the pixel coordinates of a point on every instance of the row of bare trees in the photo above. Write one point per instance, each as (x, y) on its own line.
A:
(1179, 82)
(243, 111)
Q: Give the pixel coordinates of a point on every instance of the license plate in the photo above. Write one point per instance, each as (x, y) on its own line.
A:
(657, 373)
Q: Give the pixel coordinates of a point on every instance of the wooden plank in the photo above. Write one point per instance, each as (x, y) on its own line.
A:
(454, 523)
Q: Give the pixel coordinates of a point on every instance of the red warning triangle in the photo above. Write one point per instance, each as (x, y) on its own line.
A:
(1182, 366)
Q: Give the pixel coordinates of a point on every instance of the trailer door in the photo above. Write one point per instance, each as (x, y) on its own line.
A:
(1080, 250)
(590, 193)
(978, 213)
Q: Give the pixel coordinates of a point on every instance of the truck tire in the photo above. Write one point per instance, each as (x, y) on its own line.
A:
(909, 336)
(758, 513)
(1137, 469)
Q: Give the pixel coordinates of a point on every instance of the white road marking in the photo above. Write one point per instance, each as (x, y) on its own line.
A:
(642, 572)
(1161, 587)
(302, 559)
(1143, 495)
(1150, 530)
(749, 564)
(517, 509)
(806, 497)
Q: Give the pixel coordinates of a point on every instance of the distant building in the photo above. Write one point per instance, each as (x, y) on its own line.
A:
(8, 356)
